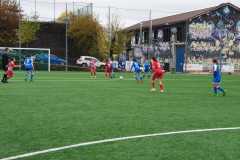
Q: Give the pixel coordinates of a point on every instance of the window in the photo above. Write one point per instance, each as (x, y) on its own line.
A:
(137, 37)
(155, 34)
(146, 37)
(166, 35)
(180, 34)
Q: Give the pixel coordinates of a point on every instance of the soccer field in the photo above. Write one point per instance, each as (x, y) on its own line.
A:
(60, 109)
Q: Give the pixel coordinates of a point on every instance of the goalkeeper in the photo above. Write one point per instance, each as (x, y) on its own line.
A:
(28, 65)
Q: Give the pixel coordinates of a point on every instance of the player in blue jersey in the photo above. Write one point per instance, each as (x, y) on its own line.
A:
(136, 67)
(28, 65)
(217, 78)
(147, 69)
(122, 68)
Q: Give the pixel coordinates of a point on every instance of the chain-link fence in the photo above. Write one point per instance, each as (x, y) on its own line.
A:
(200, 37)
(55, 20)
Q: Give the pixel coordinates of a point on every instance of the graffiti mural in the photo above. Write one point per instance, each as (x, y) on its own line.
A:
(215, 34)
(201, 30)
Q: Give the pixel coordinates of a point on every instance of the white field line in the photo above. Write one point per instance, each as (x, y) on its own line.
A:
(115, 140)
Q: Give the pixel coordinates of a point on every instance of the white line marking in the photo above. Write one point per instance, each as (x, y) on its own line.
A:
(115, 140)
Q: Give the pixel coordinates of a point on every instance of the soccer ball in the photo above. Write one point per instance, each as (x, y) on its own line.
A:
(121, 77)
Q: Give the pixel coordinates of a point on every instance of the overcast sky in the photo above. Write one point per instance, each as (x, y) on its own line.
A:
(131, 12)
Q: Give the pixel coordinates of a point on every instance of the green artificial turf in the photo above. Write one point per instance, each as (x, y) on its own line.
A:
(60, 109)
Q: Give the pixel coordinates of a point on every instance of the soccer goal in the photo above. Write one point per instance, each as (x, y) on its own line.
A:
(41, 56)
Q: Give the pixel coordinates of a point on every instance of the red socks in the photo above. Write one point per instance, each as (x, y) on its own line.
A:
(161, 87)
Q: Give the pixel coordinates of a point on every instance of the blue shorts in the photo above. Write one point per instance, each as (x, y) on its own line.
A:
(216, 80)
(29, 69)
(147, 70)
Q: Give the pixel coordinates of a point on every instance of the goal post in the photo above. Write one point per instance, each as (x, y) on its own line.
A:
(31, 50)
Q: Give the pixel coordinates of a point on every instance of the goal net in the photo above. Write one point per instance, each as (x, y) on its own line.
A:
(42, 57)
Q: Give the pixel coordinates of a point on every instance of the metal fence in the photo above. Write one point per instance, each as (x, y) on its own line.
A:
(53, 34)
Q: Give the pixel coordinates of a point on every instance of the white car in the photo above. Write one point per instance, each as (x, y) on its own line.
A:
(84, 61)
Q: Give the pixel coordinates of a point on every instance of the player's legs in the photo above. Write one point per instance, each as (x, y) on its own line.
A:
(27, 75)
(161, 82)
(148, 74)
(137, 77)
(161, 86)
(95, 73)
(106, 74)
(112, 75)
(153, 82)
(217, 87)
(31, 75)
(140, 77)
(4, 78)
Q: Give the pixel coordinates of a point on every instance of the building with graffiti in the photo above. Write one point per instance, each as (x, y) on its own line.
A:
(192, 39)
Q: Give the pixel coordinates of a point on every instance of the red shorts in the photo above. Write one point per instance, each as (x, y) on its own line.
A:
(93, 69)
(108, 70)
(158, 75)
(10, 74)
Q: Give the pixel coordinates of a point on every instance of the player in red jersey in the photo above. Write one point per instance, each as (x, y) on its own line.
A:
(108, 69)
(93, 69)
(158, 74)
(11, 65)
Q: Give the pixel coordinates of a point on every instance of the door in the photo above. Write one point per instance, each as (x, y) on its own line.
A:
(180, 58)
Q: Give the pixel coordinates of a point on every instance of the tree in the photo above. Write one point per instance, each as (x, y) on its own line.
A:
(28, 31)
(86, 34)
(9, 20)
(120, 37)
(64, 16)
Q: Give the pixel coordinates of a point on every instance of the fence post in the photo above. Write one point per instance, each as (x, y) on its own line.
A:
(66, 39)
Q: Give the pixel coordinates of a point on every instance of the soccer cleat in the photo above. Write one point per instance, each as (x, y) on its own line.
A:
(153, 90)
(224, 94)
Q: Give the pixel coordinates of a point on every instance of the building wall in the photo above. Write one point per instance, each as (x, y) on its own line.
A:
(51, 35)
(215, 33)
(161, 41)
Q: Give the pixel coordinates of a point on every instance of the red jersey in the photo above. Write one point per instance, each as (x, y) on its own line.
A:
(108, 67)
(93, 64)
(156, 67)
(9, 71)
(11, 66)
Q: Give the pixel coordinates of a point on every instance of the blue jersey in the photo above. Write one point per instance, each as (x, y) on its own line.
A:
(136, 67)
(28, 63)
(146, 67)
(216, 73)
(122, 64)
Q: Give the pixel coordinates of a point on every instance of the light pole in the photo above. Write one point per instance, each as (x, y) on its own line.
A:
(109, 30)
(221, 54)
(173, 50)
(66, 38)
(19, 32)
(150, 33)
(54, 10)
